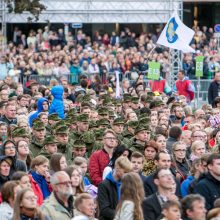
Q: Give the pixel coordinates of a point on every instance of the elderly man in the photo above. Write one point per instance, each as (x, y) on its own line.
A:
(60, 203)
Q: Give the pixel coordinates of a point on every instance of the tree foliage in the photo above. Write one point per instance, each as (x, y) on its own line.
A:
(35, 7)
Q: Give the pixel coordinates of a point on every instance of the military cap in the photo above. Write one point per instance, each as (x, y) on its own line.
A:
(83, 117)
(53, 117)
(132, 124)
(86, 98)
(158, 103)
(147, 99)
(135, 99)
(19, 132)
(58, 124)
(36, 120)
(71, 112)
(150, 94)
(79, 98)
(127, 99)
(104, 96)
(99, 134)
(50, 140)
(117, 102)
(103, 111)
(62, 130)
(143, 115)
(118, 121)
(70, 120)
(111, 113)
(88, 137)
(144, 121)
(107, 102)
(86, 104)
(79, 144)
(103, 121)
(38, 126)
(93, 124)
(141, 127)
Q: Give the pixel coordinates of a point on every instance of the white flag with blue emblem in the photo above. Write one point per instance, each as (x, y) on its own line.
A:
(176, 35)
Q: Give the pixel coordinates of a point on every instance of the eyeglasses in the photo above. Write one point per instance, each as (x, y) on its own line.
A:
(180, 150)
(67, 183)
(23, 146)
(10, 148)
(199, 136)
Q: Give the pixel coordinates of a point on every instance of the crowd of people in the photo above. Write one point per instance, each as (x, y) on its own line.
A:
(79, 149)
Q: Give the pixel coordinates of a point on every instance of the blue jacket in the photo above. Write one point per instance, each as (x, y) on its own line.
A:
(116, 183)
(39, 110)
(185, 185)
(57, 105)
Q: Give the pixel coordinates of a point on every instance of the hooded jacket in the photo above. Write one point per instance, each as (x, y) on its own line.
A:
(39, 110)
(108, 197)
(57, 105)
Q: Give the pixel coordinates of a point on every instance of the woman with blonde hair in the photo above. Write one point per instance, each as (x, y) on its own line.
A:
(132, 196)
(198, 149)
(26, 206)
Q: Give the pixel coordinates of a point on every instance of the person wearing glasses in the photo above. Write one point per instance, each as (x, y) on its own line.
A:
(100, 159)
(180, 165)
(9, 149)
(60, 203)
(25, 206)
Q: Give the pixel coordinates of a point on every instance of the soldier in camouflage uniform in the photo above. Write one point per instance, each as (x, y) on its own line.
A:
(49, 147)
(118, 127)
(79, 149)
(39, 132)
(52, 120)
(89, 139)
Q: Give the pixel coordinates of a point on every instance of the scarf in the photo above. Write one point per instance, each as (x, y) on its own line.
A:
(42, 183)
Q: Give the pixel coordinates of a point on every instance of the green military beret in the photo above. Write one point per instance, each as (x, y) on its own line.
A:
(70, 120)
(71, 112)
(36, 120)
(86, 98)
(83, 117)
(144, 121)
(158, 103)
(53, 117)
(93, 124)
(86, 104)
(147, 99)
(19, 132)
(118, 121)
(135, 100)
(50, 140)
(79, 144)
(103, 121)
(141, 127)
(150, 94)
(127, 99)
(88, 137)
(58, 124)
(111, 113)
(38, 126)
(99, 134)
(107, 102)
(62, 130)
(103, 111)
(132, 124)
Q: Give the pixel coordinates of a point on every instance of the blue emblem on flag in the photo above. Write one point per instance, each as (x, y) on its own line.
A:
(171, 31)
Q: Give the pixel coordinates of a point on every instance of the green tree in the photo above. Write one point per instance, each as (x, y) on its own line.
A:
(35, 7)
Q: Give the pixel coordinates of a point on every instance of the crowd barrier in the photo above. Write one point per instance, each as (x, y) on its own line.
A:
(201, 87)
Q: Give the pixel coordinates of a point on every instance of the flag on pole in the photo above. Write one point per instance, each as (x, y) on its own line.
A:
(176, 35)
(117, 92)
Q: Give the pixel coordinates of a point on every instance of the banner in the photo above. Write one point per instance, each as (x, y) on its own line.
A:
(199, 66)
(153, 70)
(176, 35)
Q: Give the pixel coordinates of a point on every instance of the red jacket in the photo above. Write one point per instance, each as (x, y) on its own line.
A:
(37, 191)
(158, 85)
(183, 88)
(97, 163)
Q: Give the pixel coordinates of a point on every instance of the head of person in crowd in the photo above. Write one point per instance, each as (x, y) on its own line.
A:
(3, 131)
(50, 145)
(198, 148)
(84, 205)
(137, 161)
(79, 148)
(9, 192)
(26, 205)
(162, 160)
(213, 165)
(161, 142)
(110, 140)
(118, 125)
(175, 132)
(82, 122)
(186, 137)
(142, 134)
(44, 117)
(171, 210)
(213, 214)
(82, 163)
(150, 150)
(39, 131)
(10, 112)
(58, 162)
(193, 207)
(198, 135)
(9, 148)
(132, 190)
(23, 179)
(62, 135)
(75, 175)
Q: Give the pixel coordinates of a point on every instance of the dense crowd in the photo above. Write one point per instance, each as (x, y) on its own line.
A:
(80, 149)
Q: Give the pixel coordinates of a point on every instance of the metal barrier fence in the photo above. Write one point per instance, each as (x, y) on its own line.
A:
(201, 87)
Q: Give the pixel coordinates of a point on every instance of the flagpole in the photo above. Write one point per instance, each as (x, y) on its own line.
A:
(198, 91)
(151, 51)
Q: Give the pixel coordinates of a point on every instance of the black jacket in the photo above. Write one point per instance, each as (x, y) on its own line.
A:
(150, 187)
(107, 200)
(151, 208)
(209, 188)
(212, 92)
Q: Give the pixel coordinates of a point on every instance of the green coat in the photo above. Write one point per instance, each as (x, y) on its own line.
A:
(66, 149)
(54, 210)
(136, 146)
(43, 152)
(35, 147)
